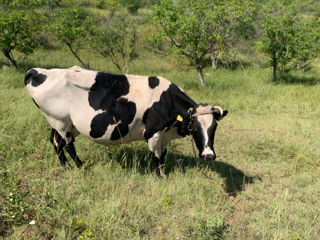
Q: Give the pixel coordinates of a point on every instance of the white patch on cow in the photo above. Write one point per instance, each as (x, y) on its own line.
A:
(141, 94)
(207, 151)
(206, 121)
(154, 144)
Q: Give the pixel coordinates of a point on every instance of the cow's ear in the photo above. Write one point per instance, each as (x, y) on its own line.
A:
(191, 111)
(217, 114)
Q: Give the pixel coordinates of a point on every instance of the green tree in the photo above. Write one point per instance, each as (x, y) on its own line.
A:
(196, 28)
(228, 17)
(73, 28)
(118, 40)
(287, 38)
(19, 24)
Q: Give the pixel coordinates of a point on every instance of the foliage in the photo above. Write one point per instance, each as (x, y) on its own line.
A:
(72, 27)
(230, 20)
(287, 37)
(118, 40)
(19, 24)
(196, 28)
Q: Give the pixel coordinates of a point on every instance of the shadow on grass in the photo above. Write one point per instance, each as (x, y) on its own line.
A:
(235, 180)
(140, 159)
(290, 78)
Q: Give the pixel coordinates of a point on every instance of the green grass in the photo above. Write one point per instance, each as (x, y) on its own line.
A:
(265, 183)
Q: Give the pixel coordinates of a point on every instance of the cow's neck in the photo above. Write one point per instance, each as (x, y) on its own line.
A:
(182, 103)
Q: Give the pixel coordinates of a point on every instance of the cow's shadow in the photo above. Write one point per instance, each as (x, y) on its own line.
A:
(140, 160)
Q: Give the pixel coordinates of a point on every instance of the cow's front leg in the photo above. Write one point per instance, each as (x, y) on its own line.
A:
(158, 155)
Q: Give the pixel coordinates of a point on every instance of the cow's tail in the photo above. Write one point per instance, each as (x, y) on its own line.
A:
(34, 77)
(29, 75)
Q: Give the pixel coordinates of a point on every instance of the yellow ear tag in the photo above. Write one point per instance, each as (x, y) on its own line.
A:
(179, 118)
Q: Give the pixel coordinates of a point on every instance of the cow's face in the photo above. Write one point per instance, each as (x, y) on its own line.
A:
(203, 125)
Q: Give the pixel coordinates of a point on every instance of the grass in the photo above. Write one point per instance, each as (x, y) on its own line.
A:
(265, 183)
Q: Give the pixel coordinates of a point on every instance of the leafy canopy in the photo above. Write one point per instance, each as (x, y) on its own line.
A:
(193, 26)
(288, 38)
(118, 40)
(18, 25)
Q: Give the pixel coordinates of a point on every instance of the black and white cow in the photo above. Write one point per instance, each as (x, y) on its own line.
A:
(114, 109)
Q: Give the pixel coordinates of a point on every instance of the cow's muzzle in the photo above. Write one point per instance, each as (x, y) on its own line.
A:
(206, 157)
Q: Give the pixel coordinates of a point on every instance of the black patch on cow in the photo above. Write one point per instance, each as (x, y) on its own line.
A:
(105, 94)
(34, 77)
(125, 111)
(35, 103)
(197, 136)
(29, 74)
(121, 110)
(164, 112)
(100, 123)
(153, 82)
(106, 89)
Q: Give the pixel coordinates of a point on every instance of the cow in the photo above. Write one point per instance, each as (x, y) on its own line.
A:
(114, 109)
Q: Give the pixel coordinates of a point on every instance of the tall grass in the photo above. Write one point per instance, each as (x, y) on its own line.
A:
(265, 183)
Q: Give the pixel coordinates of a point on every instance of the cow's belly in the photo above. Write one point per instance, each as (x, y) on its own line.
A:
(135, 133)
(83, 124)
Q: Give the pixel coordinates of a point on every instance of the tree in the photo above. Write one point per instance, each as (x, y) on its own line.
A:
(118, 40)
(72, 28)
(287, 37)
(196, 28)
(226, 18)
(19, 23)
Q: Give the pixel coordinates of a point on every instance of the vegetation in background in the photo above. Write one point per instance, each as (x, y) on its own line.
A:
(287, 37)
(197, 28)
(19, 25)
(72, 27)
(118, 40)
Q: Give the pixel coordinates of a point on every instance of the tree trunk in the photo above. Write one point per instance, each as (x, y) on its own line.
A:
(213, 59)
(214, 62)
(275, 73)
(199, 70)
(10, 58)
(77, 57)
(128, 67)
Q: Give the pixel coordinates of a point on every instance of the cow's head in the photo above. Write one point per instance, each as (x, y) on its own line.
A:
(203, 122)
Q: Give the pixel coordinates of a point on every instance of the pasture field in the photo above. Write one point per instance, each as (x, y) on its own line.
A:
(265, 183)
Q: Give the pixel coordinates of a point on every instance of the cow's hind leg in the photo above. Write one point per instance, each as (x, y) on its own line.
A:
(72, 152)
(58, 143)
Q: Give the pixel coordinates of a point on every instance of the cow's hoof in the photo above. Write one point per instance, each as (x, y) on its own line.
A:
(160, 171)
